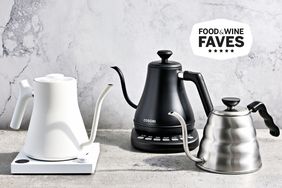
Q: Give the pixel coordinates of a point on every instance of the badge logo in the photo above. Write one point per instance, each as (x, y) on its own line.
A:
(221, 39)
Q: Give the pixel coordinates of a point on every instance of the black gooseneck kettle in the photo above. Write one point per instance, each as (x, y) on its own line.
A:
(164, 91)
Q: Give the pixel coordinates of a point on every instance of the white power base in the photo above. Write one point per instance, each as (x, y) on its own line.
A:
(86, 165)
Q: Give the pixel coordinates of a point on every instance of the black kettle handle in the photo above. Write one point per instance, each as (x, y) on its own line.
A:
(198, 80)
(260, 107)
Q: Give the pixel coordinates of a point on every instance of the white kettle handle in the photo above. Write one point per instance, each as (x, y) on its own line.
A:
(24, 95)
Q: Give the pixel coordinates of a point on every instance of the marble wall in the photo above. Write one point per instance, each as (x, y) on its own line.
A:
(83, 38)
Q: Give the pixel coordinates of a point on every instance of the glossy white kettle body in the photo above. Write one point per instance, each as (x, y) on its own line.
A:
(56, 130)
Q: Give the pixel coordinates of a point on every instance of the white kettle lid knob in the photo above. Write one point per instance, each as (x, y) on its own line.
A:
(55, 75)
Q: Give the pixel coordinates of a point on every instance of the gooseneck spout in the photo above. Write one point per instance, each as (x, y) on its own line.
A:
(185, 137)
(124, 87)
(97, 116)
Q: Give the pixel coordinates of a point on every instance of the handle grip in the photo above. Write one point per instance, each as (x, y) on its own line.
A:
(24, 95)
(198, 80)
(268, 120)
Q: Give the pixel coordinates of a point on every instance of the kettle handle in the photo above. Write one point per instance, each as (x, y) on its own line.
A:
(268, 120)
(198, 80)
(25, 94)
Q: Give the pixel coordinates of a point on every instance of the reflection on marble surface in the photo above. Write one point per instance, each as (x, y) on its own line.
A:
(84, 38)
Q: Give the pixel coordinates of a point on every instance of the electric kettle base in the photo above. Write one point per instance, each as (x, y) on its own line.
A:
(163, 144)
(25, 165)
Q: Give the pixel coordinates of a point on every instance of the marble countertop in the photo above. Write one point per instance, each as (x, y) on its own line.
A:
(120, 165)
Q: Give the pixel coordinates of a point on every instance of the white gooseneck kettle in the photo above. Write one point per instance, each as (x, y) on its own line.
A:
(56, 130)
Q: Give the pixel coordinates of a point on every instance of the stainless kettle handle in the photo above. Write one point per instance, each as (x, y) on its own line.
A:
(268, 120)
(185, 137)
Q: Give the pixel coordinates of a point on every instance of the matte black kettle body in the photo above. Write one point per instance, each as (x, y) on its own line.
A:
(164, 91)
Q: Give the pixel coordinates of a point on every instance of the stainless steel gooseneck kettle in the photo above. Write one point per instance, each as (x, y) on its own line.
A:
(164, 91)
(229, 143)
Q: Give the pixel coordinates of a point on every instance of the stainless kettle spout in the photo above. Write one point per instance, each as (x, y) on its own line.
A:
(124, 87)
(185, 138)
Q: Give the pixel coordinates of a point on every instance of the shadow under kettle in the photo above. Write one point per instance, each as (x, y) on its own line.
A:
(229, 144)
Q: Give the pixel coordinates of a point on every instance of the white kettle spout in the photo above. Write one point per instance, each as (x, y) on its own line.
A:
(96, 116)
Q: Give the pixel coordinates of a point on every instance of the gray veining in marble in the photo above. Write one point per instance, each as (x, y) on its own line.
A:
(84, 38)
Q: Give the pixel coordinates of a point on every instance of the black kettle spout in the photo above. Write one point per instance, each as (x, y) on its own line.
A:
(124, 87)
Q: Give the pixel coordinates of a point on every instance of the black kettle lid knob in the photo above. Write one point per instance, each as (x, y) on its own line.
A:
(230, 102)
(164, 55)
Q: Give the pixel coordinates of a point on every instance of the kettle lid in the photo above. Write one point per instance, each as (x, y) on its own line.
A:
(164, 63)
(53, 78)
(230, 108)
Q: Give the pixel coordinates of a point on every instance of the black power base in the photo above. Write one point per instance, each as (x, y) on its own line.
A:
(163, 144)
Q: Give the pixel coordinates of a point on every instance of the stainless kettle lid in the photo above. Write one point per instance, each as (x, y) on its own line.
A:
(230, 108)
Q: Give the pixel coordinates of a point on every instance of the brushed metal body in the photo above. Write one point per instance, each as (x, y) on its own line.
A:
(229, 145)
